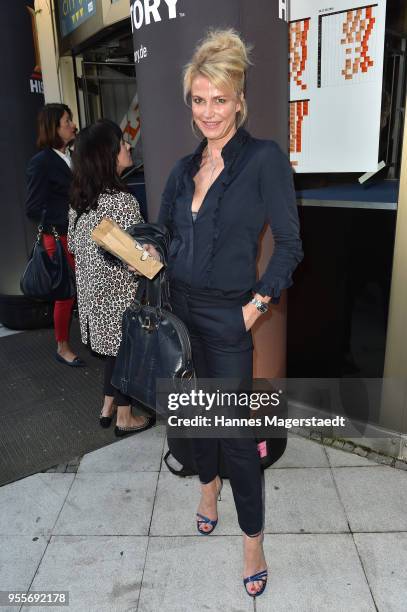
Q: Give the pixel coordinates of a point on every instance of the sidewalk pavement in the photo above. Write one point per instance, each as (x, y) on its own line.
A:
(120, 535)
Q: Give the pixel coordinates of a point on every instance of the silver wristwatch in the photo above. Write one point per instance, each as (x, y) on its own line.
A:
(261, 306)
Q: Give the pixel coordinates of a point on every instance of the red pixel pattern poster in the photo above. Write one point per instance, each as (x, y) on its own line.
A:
(353, 59)
(335, 77)
(298, 37)
(299, 138)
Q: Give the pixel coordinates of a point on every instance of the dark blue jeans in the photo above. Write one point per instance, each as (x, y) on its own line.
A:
(221, 348)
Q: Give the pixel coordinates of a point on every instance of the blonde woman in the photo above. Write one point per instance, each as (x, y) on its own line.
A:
(216, 202)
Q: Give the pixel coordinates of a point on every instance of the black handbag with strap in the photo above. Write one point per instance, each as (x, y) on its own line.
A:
(48, 278)
(155, 343)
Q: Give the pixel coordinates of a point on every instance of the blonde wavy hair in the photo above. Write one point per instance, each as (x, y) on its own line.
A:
(223, 58)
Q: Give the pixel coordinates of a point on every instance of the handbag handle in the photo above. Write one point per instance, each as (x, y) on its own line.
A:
(41, 227)
(155, 292)
(150, 291)
(41, 224)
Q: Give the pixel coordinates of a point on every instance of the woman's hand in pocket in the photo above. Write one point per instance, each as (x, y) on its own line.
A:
(250, 315)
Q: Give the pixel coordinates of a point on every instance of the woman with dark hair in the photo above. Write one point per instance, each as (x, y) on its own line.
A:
(105, 285)
(49, 179)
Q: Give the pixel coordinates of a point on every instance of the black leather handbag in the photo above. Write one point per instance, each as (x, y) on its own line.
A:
(155, 343)
(180, 459)
(48, 278)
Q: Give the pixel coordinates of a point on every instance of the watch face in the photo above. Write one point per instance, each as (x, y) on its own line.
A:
(261, 306)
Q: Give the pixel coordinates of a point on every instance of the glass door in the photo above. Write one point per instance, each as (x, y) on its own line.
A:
(109, 91)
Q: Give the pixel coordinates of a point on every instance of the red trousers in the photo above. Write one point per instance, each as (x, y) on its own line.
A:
(62, 308)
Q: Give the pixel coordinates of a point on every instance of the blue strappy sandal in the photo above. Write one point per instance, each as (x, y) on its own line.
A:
(204, 520)
(260, 577)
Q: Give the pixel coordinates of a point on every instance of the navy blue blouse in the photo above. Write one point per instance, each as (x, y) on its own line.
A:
(218, 251)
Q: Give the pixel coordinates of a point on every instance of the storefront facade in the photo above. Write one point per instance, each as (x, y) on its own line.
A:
(89, 57)
(346, 312)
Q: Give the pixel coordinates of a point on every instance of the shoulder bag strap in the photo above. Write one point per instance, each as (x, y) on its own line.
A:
(141, 290)
(153, 294)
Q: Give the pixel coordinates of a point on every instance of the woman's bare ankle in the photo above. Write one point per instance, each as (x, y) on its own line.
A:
(65, 351)
(211, 486)
(255, 538)
(125, 418)
(253, 558)
(108, 406)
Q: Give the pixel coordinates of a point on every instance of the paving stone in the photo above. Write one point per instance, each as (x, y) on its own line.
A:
(302, 500)
(74, 462)
(386, 460)
(176, 503)
(340, 458)
(302, 453)
(72, 469)
(375, 499)
(197, 573)
(384, 560)
(31, 506)
(296, 500)
(139, 453)
(102, 574)
(108, 504)
(314, 573)
(348, 446)
(19, 559)
(362, 452)
(374, 457)
(316, 435)
(61, 468)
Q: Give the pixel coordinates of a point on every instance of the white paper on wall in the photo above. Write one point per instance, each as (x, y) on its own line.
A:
(336, 66)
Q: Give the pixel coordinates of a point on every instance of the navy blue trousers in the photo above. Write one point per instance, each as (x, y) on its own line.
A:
(221, 348)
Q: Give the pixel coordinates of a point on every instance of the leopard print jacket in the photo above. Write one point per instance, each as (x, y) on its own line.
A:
(105, 287)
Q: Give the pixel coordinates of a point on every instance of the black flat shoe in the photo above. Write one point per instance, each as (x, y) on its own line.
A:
(75, 363)
(105, 421)
(125, 431)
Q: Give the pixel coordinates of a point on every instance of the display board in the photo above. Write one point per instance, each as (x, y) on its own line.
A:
(335, 75)
(72, 13)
